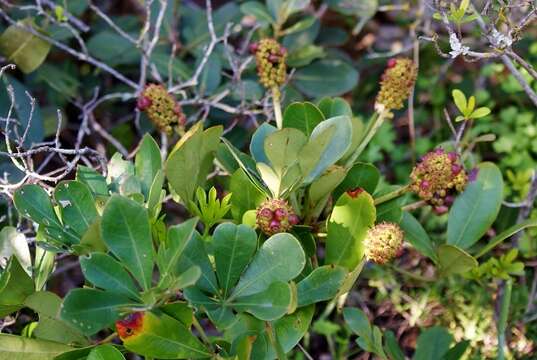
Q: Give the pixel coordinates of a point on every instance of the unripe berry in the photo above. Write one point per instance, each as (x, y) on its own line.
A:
(383, 242)
(270, 58)
(275, 216)
(396, 84)
(161, 107)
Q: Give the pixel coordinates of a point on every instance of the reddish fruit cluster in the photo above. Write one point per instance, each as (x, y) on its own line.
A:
(270, 58)
(275, 216)
(383, 242)
(131, 325)
(396, 84)
(437, 178)
(161, 107)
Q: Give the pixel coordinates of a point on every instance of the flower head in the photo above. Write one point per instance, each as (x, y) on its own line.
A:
(396, 84)
(438, 177)
(383, 242)
(161, 107)
(275, 216)
(270, 58)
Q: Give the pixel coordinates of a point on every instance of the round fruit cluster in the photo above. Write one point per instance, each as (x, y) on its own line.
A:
(275, 216)
(383, 242)
(161, 107)
(438, 177)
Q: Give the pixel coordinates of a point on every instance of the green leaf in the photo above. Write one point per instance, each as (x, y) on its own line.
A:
(357, 321)
(191, 160)
(126, 231)
(22, 47)
(331, 107)
(147, 163)
(154, 199)
(21, 348)
(282, 148)
(475, 210)
(112, 48)
(15, 285)
(163, 337)
(328, 143)
(460, 100)
(417, 236)
(269, 305)
(91, 310)
(347, 228)
(76, 205)
(303, 116)
(391, 347)
(33, 203)
(257, 143)
(169, 254)
(234, 246)
(105, 272)
(13, 243)
(361, 175)
(327, 77)
(325, 184)
(246, 196)
(432, 344)
(50, 326)
(495, 241)
(457, 351)
(257, 10)
(453, 260)
(195, 254)
(280, 258)
(95, 181)
(305, 55)
(480, 112)
(321, 284)
(105, 352)
(300, 25)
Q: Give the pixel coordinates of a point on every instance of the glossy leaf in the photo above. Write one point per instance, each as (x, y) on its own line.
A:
(147, 163)
(22, 348)
(163, 337)
(282, 148)
(474, 211)
(51, 327)
(246, 196)
(105, 272)
(328, 143)
(268, 305)
(105, 352)
(22, 47)
(91, 310)
(453, 260)
(76, 205)
(361, 175)
(234, 246)
(95, 181)
(257, 143)
(280, 258)
(432, 344)
(321, 284)
(331, 107)
(303, 116)
(126, 231)
(347, 228)
(328, 77)
(417, 236)
(15, 286)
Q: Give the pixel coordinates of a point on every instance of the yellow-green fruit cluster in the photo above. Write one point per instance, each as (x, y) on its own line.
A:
(161, 107)
(275, 216)
(383, 242)
(270, 58)
(438, 177)
(396, 84)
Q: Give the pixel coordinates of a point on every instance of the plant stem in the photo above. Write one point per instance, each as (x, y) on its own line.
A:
(392, 195)
(505, 304)
(372, 127)
(274, 341)
(203, 335)
(414, 205)
(277, 107)
(109, 338)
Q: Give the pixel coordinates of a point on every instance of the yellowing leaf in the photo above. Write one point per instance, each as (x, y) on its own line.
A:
(25, 49)
(480, 112)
